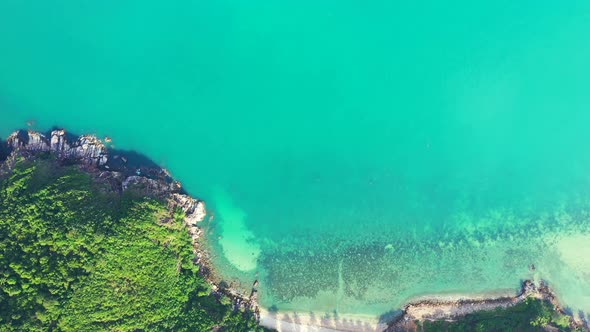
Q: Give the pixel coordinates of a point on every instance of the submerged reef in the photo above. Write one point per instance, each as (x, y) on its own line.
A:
(381, 274)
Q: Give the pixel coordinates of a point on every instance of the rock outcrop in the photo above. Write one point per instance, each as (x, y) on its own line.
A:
(440, 310)
(194, 210)
(90, 151)
(155, 187)
(30, 141)
(87, 149)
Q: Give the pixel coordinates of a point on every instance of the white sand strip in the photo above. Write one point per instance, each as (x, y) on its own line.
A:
(319, 322)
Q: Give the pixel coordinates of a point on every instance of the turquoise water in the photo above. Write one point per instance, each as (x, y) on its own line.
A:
(353, 154)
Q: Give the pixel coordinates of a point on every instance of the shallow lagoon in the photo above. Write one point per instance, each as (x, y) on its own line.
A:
(354, 155)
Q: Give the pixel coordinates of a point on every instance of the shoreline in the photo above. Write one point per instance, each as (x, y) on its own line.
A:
(122, 171)
(446, 309)
(433, 307)
(125, 170)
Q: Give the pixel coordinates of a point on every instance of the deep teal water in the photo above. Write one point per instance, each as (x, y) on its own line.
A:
(354, 154)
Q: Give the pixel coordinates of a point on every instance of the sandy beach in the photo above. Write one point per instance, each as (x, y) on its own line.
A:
(319, 322)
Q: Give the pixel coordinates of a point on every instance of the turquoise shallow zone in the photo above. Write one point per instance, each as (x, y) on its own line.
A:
(353, 154)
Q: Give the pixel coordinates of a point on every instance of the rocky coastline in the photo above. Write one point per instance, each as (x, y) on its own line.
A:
(121, 172)
(116, 169)
(435, 310)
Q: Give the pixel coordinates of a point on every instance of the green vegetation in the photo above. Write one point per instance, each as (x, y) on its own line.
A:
(531, 315)
(75, 256)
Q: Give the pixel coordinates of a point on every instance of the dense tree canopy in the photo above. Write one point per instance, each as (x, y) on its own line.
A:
(75, 256)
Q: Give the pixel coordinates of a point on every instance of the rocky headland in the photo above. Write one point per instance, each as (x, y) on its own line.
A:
(121, 172)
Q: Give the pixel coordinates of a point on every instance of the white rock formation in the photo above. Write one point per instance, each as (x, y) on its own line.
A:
(86, 149)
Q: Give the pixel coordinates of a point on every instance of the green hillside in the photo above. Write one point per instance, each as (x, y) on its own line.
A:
(75, 256)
